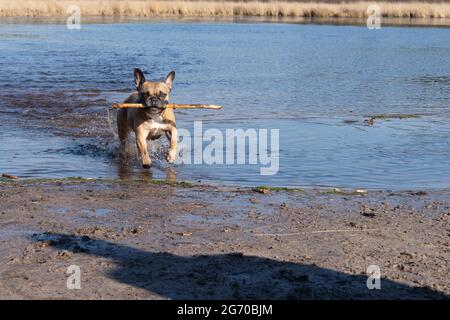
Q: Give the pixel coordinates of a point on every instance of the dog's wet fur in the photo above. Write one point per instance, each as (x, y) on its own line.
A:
(151, 122)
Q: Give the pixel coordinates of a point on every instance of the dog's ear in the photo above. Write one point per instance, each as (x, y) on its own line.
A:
(169, 79)
(139, 78)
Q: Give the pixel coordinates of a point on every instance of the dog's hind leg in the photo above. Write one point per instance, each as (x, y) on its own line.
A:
(123, 130)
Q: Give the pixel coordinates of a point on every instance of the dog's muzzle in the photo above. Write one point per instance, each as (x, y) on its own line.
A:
(156, 104)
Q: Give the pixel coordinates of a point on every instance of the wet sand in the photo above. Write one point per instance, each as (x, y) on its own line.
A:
(152, 240)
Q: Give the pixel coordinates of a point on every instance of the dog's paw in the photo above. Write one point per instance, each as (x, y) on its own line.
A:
(171, 157)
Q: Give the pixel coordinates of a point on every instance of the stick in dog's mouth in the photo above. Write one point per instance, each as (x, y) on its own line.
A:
(169, 105)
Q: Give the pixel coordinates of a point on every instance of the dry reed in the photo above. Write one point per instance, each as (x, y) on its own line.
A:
(161, 8)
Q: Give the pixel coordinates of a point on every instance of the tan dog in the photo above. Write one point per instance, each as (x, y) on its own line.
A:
(150, 122)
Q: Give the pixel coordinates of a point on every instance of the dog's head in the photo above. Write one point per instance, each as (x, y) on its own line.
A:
(153, 94)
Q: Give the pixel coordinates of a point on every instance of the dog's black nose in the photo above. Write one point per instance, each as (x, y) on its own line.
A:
(150, 101)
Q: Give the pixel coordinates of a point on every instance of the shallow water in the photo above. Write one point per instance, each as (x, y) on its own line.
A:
(316, 83)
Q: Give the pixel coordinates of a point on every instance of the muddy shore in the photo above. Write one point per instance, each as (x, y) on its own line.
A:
(154, 240)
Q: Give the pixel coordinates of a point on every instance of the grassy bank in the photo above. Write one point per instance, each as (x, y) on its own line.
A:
(168, 8)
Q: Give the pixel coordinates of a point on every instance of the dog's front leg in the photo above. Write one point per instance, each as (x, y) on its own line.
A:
(171, 155)
(141, 142)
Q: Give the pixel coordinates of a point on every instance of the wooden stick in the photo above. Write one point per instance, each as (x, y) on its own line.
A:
(169, 105)
(9, 176)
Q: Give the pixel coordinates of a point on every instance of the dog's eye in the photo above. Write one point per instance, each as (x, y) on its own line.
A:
(162, 95)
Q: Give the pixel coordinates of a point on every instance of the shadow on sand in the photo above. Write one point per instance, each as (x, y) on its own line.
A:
(230, 276)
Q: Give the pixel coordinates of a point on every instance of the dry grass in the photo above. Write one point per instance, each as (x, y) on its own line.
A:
(161, 8)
